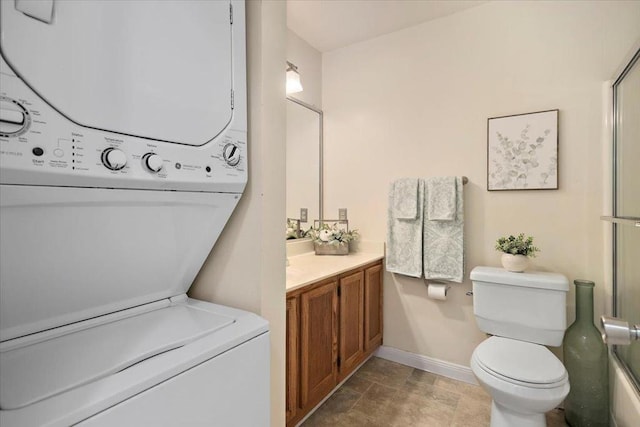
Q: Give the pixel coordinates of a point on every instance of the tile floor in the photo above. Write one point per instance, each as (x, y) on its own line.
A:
(384, 394)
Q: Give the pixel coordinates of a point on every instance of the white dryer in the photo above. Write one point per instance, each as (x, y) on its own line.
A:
(123, 153)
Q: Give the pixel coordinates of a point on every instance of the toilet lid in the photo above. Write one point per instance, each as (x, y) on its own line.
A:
(520, 361)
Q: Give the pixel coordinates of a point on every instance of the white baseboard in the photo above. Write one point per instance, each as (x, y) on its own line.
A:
(429, 364)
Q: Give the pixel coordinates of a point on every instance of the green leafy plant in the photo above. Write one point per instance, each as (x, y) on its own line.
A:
(520, 245)
(331, 235)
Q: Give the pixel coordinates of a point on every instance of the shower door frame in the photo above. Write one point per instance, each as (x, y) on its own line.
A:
(619, 221)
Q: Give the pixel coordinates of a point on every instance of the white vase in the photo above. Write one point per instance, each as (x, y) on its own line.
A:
(515, 263)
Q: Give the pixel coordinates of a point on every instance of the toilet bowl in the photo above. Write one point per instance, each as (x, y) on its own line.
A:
(525, 380)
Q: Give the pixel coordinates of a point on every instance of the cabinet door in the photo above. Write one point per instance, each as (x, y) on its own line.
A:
(373, 307)
(318, 312)
(351, 321)
(292, 358)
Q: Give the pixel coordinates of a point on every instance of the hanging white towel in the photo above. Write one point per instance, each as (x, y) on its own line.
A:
(441, 203)
(404, 235)
(443, 244)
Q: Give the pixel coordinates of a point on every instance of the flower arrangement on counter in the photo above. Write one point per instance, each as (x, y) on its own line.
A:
(327, 234)
(517, 245)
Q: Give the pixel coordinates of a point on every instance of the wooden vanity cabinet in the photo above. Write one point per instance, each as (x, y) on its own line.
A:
(372, 308)
(332, 327)
(292, 357)
(351, 292)
(318, 342)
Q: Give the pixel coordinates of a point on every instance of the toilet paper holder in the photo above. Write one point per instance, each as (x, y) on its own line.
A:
(438, 290)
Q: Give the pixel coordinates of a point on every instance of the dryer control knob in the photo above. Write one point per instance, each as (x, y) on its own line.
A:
(231, 154)
(14, 118)
(114, 159)
(152, 162)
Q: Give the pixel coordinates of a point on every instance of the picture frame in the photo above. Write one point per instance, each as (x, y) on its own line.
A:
(522, 151)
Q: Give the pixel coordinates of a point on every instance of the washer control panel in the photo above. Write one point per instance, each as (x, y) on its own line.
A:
(39, 146)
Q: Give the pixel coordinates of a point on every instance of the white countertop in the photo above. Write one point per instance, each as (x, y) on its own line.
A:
(307, 268)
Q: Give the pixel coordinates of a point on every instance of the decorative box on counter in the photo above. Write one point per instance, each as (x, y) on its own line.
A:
(332, 237)
(341, 248)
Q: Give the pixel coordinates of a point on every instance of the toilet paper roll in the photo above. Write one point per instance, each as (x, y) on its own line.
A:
(437, 291)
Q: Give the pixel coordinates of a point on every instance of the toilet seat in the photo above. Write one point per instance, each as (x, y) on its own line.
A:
(521, 363)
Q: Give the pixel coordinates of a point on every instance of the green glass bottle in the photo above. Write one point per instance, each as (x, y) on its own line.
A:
(587, 362)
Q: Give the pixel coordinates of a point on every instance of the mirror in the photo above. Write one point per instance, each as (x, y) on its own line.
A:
(304, 165)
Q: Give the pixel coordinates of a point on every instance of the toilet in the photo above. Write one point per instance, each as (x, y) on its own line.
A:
(524, 312)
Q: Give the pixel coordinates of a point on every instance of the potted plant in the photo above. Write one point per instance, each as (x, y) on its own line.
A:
(516, 252)
(331, 240)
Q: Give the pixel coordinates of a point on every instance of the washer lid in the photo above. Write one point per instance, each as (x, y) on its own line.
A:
(38, 371)
(520, 361)
(534, 279)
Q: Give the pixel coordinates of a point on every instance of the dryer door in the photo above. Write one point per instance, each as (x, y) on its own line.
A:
(152, 69)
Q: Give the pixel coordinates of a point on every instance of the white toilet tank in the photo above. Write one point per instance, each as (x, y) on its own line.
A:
(524, 306)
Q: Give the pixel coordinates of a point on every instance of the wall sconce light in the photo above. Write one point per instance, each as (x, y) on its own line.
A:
(293, 79)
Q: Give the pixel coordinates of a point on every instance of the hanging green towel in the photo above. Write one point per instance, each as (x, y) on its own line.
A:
(404, 235)
(441, 203)
(443, 241)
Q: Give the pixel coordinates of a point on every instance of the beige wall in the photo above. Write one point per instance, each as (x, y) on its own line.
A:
(309, 63)
(246, 267)
(416, 103)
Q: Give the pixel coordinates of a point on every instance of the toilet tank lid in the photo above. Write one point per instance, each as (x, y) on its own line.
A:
(530, 279)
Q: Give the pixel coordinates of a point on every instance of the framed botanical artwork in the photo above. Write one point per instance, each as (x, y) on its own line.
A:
(522, 152)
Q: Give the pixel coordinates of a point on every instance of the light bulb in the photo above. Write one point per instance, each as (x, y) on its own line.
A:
(293, 82)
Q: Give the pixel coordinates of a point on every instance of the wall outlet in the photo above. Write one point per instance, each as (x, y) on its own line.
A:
(342, 214)
(304, 212)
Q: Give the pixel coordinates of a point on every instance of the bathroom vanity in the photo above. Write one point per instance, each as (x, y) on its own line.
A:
(334, 323)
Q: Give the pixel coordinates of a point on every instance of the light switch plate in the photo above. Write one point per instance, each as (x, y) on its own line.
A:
(342, 214)
(304, 212)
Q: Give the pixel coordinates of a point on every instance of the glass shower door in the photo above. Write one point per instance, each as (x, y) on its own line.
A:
(626, 209)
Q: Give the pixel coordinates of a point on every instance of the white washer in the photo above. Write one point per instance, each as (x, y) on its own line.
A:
(122, 156)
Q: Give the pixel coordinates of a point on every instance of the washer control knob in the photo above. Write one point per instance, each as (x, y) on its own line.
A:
(152, 162)
(114, 159)
(231, 154)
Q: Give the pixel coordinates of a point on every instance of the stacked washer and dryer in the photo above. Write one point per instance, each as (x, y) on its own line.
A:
(123, 153)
